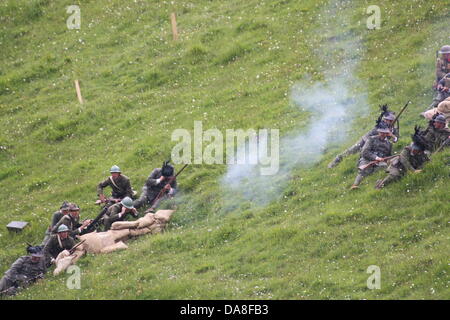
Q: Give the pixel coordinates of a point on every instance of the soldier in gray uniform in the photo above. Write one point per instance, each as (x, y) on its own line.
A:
(23, 272)
(157, 181)
(375, 149)
(386, 119)
(412, 158)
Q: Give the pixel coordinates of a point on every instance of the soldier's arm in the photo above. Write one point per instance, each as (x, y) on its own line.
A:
(15, 272)
(152, 179)
(367, 153)
(102, 185)
(55, 219)
(174, 187)
(60, 222)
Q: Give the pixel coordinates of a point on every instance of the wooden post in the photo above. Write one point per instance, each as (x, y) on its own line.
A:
(174, 26)
(77, 88)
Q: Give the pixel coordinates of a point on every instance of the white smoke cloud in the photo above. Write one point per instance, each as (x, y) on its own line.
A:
(333, 104)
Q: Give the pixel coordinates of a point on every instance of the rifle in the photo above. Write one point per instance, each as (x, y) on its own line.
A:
(398, 116)
(89, 228)
(76, 246)
(161, 192)
(371, 163)
(115, 200)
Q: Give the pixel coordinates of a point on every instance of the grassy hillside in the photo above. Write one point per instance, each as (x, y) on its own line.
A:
(233, 67)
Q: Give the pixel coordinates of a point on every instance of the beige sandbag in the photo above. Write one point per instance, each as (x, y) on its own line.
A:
(146, 220)
(119, 225)
(164, 215)
(119, 235)
(117, 246)
(156, 228)
(444, 108)
(93, 243)
(62, 265)
(429, 113)
(139, 232)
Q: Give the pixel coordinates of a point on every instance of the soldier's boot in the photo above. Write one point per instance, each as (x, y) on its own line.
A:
(358, 180)
(335, 162)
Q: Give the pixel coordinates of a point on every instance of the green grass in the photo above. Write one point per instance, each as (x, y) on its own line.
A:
(233, 67)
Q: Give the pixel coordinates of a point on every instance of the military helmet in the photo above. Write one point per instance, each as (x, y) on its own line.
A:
(445, 49)
(62, 228)
(440, 118)
(389, 116)
(127, 203)
(73, 207)
(65, 206)
(114, 169)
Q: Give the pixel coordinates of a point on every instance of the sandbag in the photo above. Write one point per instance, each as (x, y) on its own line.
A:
(146, 221)
(139, 232)
(164, 215)
(119, 225)
(119, 235)
(117, 246)
(444, 108)
(62, 265)
(65, 260)
(93, 243)
(156, 228)
(429, 113)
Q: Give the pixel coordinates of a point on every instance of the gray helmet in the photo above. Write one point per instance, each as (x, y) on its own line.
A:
(127, 203)
(62, 228)
(389, 116)
(440, 118)
(65, 206)
(73, 207)
(445, 49)
(114, 169)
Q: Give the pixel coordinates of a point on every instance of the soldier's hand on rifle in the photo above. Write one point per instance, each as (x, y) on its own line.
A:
(134, 212)
(102, 198)
(379, 159)
(167, 187)
(122, 213)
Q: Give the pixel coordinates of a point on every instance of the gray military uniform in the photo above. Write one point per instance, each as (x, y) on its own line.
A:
(357, 147)
(22, 272)
(406, 161)
(373, 148)
(152, 188)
